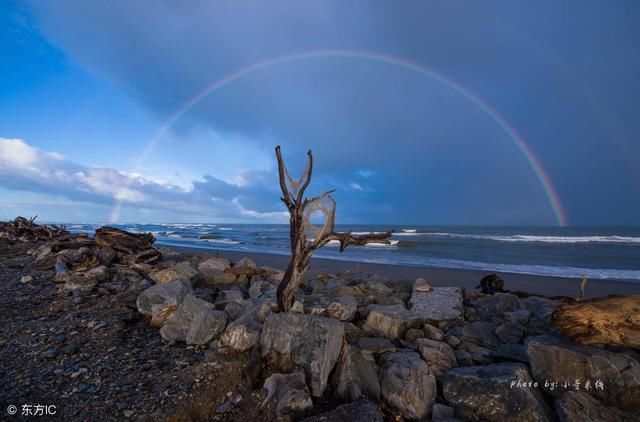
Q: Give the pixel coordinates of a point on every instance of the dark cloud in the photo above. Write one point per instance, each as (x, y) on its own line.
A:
(564, 76)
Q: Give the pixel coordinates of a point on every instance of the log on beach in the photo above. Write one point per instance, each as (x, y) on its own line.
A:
(613, 320)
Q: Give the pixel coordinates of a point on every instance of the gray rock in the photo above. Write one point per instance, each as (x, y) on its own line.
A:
(477, 332)
(371, 346)
(212, 267)
(168, 294)
(244, 333)
(390, 320)
(407, 385)
(421, 285)
(412, 334)
(358, 411)
(433, 333)
(342, 308)
(26, 279)
(578, 406)
(510, 332)
(554, 359)
(512, 352)
(79, 282)
(479, 354)
(441, 411)
(290, 391)
(195, 322)
(518, 317)
(439, 304)
(487, 393)
(259, 288)
(377, 288)
(311, 342)
(496, 305)
(355, 376)
(540, 310)
(438, 355)
(180, 271)
(247, 263)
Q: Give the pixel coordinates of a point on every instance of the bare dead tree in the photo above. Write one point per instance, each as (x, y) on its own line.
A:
(305, 236)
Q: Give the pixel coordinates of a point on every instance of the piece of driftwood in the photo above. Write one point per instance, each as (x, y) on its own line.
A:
(123, 241)
(613, 320)
(305, 237)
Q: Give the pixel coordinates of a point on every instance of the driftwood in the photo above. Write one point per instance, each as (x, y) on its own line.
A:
(306, 238)
(26, 230)
(613, 320)
(123, 241)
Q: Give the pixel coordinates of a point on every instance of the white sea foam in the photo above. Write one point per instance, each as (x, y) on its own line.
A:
(409, 230)
(371, 244)
(225, 228)
(542, 239)
(222, 241)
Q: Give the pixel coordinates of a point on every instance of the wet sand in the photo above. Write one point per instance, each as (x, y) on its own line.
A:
(469, 279)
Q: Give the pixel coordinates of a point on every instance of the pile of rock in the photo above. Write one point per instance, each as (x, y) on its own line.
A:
(25, 230)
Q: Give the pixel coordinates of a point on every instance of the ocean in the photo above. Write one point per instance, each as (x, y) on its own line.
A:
(599, 253)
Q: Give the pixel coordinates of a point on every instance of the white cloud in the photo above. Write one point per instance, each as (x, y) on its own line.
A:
(26, 168)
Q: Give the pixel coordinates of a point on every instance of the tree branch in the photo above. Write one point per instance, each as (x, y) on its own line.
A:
(307, 180)
(286, 198)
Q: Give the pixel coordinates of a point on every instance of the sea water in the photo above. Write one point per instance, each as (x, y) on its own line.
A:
(598, 252)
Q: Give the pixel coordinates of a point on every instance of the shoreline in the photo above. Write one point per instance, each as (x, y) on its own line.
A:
(441, 277)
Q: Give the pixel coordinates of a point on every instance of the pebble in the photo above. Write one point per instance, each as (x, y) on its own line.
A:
(224, 407)
(127, 413)
(26, 279)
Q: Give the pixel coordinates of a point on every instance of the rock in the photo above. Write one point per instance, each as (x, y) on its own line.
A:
(488, 393)
(291, 393)
(181, 271)
(79, 282)
(541, 309)
(517, 317)
(246, 263)
(297, 307)
(554, 359)
(371, 346)
(212, 267)
(512, 352)
(168, 294)
(477, 332)
(421, 285)
(244, 333)
(496, 305)
(509, 332)
(407, 385)
(355, 376)
(452, 340)
(358, 411)
(261, 288)
(311, 342)
(439, 304)
(412, 334)
(389, 320)
(479, 354)
(578, 406)
(463, 357)
(342, 308)
(442, 412)
(342, 290)
(26, 279)
(377, 288)
(433, 333)
(195, 322)
(438, 355)
(160, 313)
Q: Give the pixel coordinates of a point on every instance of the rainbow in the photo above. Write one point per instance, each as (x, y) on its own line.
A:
(537, 168)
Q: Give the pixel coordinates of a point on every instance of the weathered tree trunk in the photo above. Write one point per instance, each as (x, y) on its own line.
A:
(300, 227)
(613, 320)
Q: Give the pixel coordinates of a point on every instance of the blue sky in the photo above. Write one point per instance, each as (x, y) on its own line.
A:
(86, 86)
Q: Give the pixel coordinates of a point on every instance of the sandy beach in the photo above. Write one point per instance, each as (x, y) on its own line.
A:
(548, 286)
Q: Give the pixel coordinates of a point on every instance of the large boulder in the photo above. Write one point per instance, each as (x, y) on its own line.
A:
(358, 411)
(310, 342)
(342, 308)
(490, 393)
(194, 322)
(407, 385)
(614, 377)
(356, 376)
(438, 355)
(440, 304)
(578, 406)
(390, 320)
(291, 393)
(163, 295)
(180, 271)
